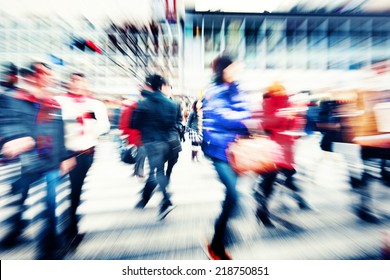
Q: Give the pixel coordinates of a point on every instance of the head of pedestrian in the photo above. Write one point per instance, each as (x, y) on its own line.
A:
(224, 70)
(10, 76)
(157, 82)
(78, 84)
(166, 89)
(276, 89)
(42, 74)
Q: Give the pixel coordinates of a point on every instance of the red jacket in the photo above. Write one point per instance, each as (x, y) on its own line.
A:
(134, 135)
(277, 124)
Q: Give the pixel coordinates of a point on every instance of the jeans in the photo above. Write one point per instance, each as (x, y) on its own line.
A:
(229, 178)
(157, 153)
(47, 240)
(140, 161)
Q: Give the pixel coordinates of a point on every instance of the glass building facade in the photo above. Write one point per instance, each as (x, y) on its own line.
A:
(305, 51)
(294, 42)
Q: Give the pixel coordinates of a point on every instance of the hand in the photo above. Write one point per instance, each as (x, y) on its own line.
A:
(14, 148)
(253, 125)
(67, 165)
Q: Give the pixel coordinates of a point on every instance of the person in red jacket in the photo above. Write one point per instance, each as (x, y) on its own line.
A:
(133, 135)
(279, 122)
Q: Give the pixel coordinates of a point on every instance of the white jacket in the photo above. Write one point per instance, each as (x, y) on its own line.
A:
(82, 129)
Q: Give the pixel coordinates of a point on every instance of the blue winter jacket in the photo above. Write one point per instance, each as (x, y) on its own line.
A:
(223, 113)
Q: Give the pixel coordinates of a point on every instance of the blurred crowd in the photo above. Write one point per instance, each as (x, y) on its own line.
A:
(54, 136)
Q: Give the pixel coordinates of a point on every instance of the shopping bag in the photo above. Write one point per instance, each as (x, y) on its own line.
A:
(255, 154)
(129, 153)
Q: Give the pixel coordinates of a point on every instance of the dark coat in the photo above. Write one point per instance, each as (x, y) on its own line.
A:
(158, 118)
(193, 121)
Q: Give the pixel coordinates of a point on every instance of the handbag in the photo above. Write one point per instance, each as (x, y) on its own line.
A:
(257, 154)
(129, 153)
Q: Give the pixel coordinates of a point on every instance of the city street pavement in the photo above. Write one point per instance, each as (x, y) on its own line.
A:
(115, 229)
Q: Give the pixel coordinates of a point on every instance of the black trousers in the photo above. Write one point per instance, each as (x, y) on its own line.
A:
(77, 177)
(170, 164)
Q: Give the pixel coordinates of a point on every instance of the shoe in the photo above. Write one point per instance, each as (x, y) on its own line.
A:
(140, 205)
(73, 242)
(51, 255)
(367, 216)
(263, 217)
(218, 256)
(303, 205)
(8, 242)
(138, 175)
(166, 211)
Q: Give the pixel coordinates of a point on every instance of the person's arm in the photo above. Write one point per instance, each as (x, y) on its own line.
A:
(137, 117)
(101, 115)
(179, 119)
(68, 160)
(190, 119)
(16, 137)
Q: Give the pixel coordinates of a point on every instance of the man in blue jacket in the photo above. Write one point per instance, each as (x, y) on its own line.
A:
(31, 129)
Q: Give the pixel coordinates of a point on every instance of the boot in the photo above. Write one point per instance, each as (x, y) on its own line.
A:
(262, 213)
(366, 215)
(302, 203)
(196, 156)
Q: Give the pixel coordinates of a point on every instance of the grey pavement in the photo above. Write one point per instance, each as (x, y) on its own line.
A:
(114, 229)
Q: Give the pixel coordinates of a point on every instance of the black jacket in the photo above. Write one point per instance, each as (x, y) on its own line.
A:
(22, 115)
(157, 117)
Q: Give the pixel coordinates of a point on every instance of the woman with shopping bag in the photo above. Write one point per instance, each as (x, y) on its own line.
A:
(280, 122)
(223, 114)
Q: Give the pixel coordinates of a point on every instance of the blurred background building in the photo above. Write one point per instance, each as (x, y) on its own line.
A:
(306, 44)
(114, 44)
(324, 47)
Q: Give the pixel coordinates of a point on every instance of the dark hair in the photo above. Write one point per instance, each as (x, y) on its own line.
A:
(218, 65)
(81, 75)
(194, 105)
(34, 65)
(11, 69)
(25, 72)
(155, 81)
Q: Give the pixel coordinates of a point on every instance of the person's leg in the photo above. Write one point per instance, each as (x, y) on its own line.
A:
(289, 183)
(229, 178)
(170, 164)
(262, 195)
(151, 182)
(48, 237)
(20, 189)
(161, 155)
(77, 177)
(140, 161)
